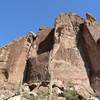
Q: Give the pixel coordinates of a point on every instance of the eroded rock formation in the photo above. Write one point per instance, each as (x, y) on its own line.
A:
(70, 50)
(67, 63)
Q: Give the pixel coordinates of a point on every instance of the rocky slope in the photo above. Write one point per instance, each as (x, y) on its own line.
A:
(53, 59)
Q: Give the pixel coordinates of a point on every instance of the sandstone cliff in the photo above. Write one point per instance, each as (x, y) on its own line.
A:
(70, 51)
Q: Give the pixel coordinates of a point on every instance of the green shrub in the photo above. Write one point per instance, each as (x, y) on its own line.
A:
(71, 94)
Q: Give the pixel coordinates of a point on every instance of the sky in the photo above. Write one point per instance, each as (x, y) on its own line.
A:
(18, 17)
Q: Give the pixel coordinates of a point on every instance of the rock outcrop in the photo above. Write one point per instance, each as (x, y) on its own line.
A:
(70, 51)
(67, 63)
(91, 36)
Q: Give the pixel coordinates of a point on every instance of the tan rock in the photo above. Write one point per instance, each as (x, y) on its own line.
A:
(70, 50)
(67, 64)
(16, 98)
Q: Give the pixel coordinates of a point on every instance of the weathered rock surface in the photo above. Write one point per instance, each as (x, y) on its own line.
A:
(91, 36)
(37, 63)
(70, 51)
(67, 63)
(14, 57)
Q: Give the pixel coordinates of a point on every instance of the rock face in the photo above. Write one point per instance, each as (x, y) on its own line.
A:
(91, 35)
(70, 51)
(37, 63)
(67, 63)
(15, 54)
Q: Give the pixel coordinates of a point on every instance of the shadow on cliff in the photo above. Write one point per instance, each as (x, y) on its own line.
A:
(81, 46)
(47, 44)
(92, 71)
(36, 69)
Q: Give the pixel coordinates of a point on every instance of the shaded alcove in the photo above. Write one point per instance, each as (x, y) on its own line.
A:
(27, 71)
(34, 72)
(47, 44)
(36, 69)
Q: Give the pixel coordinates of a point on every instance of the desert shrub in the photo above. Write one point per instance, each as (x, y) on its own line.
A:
(71, 94)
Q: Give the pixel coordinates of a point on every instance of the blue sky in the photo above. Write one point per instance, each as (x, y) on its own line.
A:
(17, 17)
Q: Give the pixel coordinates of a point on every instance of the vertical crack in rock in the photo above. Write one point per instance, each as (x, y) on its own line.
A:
(30, 39)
